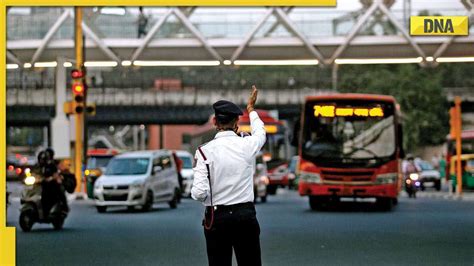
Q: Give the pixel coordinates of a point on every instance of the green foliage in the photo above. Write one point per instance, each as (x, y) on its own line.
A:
(418, 90)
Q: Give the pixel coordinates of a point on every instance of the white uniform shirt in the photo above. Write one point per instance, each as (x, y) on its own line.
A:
(231, 162)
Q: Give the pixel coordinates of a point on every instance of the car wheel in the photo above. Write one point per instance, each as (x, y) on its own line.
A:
(101, 209)
(271, 190)
(148, 201)
(174, 202)
(26, 221)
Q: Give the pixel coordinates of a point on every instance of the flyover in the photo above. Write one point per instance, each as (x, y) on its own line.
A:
(371, 31)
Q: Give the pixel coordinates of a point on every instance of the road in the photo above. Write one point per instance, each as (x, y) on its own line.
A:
(421, 231)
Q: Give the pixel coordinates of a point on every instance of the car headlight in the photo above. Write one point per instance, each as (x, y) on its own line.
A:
(27, 172)
(309, 177)
(137, 184)
(97, 185)
(414, 176)
(388, 178)
(30, 180)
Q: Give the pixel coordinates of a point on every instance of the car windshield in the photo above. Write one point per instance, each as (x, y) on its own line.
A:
(95, 162)
(349, 131)
(187, 162)
(425, 166)
(470, 163)
(292, 166)
(128, 166)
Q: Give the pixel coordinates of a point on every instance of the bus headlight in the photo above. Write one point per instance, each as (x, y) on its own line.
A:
(309, 177)
(388, 178)
(414, 176)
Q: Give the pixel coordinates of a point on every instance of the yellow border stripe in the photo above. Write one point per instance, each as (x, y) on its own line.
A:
(7, 235)
(323, 3)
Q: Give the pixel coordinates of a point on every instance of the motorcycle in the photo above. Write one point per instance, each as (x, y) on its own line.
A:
(32, 209)
(412, 184)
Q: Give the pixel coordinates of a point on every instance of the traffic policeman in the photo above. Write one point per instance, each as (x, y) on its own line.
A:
(223, 182)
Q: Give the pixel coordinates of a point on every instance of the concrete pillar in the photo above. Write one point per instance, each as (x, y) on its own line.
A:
(60, 138)
(135, 138)
(142, 137)
(153, 137)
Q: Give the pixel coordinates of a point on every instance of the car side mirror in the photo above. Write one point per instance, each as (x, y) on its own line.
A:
(157, 169)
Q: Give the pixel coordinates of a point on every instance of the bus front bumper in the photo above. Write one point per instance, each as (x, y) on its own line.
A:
(367, 191)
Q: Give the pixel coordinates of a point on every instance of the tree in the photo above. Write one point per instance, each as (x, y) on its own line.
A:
(418, 90)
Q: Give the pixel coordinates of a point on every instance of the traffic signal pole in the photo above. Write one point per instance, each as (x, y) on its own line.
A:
(79, 115)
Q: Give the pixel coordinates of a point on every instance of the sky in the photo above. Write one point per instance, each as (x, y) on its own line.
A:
(346, 5)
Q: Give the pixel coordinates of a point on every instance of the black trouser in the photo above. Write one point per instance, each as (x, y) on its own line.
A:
(234, 226)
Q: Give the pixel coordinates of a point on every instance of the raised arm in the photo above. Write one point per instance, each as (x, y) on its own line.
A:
(258, 138)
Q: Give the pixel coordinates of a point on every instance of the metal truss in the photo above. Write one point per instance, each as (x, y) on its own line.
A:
(370, 9)
(469, 5)
(376, 5)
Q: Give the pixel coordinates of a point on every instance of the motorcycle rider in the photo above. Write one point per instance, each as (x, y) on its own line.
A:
(410, 167)
(53, 190)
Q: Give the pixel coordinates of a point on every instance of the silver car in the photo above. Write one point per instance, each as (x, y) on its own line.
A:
(138, 179)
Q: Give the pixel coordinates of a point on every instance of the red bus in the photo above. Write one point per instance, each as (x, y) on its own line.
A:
(350, 147)
(275, 151)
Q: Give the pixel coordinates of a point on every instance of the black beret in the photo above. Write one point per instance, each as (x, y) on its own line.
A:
(226, 108)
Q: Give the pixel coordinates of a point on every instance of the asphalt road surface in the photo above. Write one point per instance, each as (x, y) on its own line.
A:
(419, 231)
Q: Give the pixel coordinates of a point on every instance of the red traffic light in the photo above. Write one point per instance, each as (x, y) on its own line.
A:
(77, 74)
(78, 88)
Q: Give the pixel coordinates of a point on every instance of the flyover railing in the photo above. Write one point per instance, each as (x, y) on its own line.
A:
(152, 97)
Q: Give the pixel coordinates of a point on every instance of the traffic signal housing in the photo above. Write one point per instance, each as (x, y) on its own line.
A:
(78, 90)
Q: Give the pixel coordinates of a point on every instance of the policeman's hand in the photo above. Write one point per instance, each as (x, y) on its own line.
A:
(252, 99)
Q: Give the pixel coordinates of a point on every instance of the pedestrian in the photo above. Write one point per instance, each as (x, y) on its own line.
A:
(442, 167)
(223, 182)
(142, 23)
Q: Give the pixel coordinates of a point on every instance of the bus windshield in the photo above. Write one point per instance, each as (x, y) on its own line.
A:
(348, 131)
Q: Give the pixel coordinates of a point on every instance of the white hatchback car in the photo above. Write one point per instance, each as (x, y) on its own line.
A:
(138, 179)
(186, 171)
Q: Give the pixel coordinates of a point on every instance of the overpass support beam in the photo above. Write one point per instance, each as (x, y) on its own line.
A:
(60, 137)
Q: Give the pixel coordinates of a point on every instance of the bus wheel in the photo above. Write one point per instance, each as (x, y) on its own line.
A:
(316, 203)
(385, 204)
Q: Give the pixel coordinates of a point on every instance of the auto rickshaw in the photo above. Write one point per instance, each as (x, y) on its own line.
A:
(467, 168)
